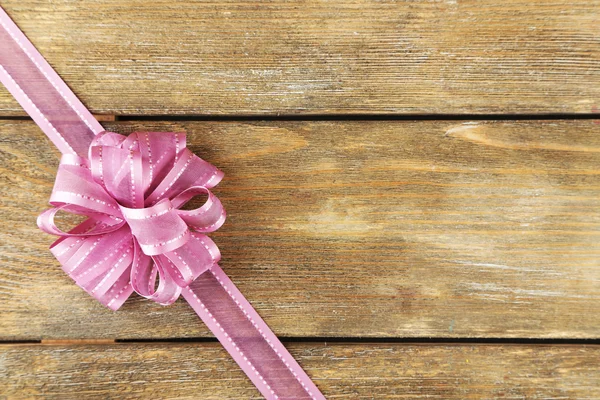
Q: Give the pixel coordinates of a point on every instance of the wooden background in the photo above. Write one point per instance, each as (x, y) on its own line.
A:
(413, 191)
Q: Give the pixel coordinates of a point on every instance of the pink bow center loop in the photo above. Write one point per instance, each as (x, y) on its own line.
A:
(131, 190)
(158, 229)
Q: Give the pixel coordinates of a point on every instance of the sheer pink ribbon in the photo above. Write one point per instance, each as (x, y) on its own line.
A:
(135, 236)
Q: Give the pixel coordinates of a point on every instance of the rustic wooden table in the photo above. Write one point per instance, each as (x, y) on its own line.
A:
(412, 187)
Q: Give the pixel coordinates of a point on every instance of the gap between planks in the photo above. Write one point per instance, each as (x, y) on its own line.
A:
(331, 340)
(333, 117)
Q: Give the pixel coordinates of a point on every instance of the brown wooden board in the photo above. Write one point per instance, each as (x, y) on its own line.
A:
(313, 57)
(350, 229)
(365, 371)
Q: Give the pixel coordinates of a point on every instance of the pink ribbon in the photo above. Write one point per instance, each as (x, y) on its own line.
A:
(131, 190)
(135, 235)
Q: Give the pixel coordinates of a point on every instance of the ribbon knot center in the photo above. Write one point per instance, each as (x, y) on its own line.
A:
(158, 229)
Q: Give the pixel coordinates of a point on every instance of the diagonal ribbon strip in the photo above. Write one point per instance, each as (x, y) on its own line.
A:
(136, 237)
(41, 92)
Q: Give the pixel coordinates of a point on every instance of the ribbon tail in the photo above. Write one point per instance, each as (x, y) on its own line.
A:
(248, 339)
(42, 93)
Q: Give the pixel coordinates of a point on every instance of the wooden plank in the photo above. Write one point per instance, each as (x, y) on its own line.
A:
(356, 228)
(377, 371)
(314, 57)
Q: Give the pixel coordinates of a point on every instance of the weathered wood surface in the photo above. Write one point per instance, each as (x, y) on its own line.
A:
(290, 57)
(393, 229)
(376, 371)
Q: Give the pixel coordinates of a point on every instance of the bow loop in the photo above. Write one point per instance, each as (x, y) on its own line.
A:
(119, 172)
(74, 185)
(131, 189)
(207, 218)
(158, 229)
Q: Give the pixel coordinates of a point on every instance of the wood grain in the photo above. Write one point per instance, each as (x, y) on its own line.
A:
(376, 371)
(315, 57)
(359, 228)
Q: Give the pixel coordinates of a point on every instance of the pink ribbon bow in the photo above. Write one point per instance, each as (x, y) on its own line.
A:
(131, 189)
